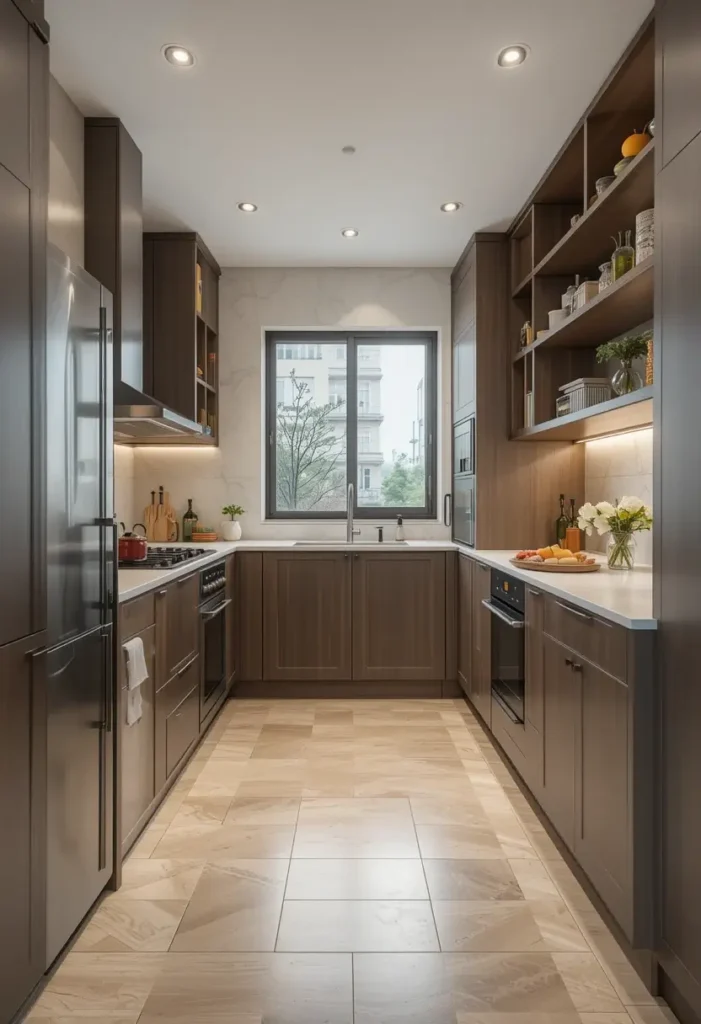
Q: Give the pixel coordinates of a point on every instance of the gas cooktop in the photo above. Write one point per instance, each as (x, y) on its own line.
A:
(164, 558)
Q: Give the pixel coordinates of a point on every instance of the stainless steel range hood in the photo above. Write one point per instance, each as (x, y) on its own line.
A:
(139, 419)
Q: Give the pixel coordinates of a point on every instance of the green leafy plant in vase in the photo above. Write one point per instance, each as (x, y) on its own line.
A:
(230, 528)
(620, 522)
(634, 346)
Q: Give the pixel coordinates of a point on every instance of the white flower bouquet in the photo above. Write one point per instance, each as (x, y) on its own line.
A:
(620, 521)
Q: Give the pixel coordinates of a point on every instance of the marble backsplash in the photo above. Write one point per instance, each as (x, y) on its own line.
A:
(250, 301)
(124, 485)
(615, 466)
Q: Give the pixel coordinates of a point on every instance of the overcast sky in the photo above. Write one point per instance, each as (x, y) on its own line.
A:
(402, 369)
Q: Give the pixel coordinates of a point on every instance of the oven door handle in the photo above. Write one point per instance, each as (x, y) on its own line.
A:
(505, 708)
(216, 611)
(510, 621)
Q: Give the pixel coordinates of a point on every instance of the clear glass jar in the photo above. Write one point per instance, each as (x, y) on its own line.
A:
(605, 276)
(626, 379)
(623, 257)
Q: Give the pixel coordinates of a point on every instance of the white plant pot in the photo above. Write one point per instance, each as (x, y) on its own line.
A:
(231, 529)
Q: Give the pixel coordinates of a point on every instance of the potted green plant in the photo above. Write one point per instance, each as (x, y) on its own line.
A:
(230, 528)
(621, 521)
(633, 346)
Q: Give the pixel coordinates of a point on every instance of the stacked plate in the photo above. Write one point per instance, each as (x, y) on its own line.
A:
(644, 235)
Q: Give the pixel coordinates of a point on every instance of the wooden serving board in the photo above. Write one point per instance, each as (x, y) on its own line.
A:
(542, 567)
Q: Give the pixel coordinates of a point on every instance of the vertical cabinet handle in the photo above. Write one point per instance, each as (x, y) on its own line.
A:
(448, 509)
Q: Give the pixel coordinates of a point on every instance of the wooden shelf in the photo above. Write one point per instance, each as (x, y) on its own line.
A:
(524, 287)
(589, 242)
(622, 306)
(626, 412)
(204, 384)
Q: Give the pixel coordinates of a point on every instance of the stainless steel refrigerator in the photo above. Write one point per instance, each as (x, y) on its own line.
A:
(81, 587)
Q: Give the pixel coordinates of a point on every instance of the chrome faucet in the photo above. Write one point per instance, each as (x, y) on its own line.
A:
(350, 532)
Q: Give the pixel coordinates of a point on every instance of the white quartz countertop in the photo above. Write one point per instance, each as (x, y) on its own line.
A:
(618, 596)
(135, 582)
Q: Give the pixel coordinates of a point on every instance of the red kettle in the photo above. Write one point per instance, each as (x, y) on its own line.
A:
(132, 547)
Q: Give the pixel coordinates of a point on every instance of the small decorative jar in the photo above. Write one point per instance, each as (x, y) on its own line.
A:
(623, 257)
(605, 276)
(620, 550)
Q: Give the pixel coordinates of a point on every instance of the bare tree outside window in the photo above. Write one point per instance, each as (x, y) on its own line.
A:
(310, 453)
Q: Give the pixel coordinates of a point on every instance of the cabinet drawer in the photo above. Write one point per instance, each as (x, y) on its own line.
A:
(136, 615)
(600, 642)
(177, 688)
(182, 727)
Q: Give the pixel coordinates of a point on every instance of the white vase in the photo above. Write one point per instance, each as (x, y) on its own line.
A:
(231, 529)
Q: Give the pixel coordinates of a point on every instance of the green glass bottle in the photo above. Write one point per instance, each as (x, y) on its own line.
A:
(189, 521)
(561, 524)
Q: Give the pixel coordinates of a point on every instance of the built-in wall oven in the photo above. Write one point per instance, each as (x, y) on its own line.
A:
(464, 482)
(507, 606)
(213, 605)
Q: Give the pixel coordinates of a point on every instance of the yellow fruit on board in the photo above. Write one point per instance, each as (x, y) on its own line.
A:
(551, 561)
(545, 552)
(568, 561)
(635, 143)
(563, 553)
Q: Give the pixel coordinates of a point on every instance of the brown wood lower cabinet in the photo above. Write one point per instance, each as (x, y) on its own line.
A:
(399, 616)
(138, 784)
(464, 639)
(231, 629)
(480, 692)
(175, 735)
(180, 627)
(561, 694)
(534, 708)
(307, 615)
(23, 815)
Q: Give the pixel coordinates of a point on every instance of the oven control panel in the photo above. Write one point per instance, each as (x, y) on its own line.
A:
(509, 590)
(212, 580)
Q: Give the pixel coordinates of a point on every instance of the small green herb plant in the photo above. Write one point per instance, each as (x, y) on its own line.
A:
(626, 349)
(233, 511)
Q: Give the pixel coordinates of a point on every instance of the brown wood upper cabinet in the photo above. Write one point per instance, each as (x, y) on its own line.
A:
(465, 571)
(307, 615)
(181, 323)
(398, 615)
(179, 609)
(678, 30)
(14, 94)
(481, 683)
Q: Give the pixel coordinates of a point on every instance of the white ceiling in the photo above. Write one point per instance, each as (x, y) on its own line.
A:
(280, 86)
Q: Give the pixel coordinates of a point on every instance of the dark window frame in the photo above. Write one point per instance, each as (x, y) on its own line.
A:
(352, 339)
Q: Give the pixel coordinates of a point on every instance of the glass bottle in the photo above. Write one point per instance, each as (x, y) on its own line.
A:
(623, 256)
(605, 276)
(561, 523)
(573, 514)
(189, 520)
(570, 296)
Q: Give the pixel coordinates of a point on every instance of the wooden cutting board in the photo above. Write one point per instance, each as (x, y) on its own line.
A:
(172, 517)
(161, 525)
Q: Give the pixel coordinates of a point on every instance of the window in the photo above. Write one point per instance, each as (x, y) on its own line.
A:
(365, 412)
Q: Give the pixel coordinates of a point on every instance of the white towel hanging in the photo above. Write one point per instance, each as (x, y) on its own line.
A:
(137, 673)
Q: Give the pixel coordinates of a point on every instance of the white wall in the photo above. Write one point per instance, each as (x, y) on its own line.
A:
(613, 467)
(253, 299)
(66, 226)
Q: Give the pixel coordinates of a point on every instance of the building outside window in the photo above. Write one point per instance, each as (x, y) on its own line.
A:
(364, 410)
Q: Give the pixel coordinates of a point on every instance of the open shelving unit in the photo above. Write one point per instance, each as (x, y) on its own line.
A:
(547, 250)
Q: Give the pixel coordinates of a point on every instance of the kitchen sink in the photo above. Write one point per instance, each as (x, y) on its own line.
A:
(349, 544)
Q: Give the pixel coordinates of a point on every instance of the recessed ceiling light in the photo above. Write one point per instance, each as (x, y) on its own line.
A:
(247, 207)
(512, 56)
(348, 150)
(450, 207)
(179, 56)
(349, 232)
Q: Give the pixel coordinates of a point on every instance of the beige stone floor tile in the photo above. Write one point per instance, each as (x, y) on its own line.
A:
(100, 985)
(349, 839)
(356, 879)
(366, 811)
(284, 731)
(152, 879)
(534, 880)
(471, 880)
(511, 835)
(409, 767)
(490, 927)
(523, 1018)
(196, 811)
(458, 842)
(329, 782)
(239, 841)
(280, 749)
(356, 925)
(136, 926)
(281, 988)
(605, 1018)
(256, 790)
(588, 986)
(427, 988)
(438, 811)
(659, 1013)
(572, 892)
(236, 906)
(263, 811)
(83, 1020)
(399, 785)
(147, 841)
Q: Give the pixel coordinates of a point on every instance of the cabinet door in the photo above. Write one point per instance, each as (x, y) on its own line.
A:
(604, 814)
(16, 447)
(399, 616)
(465, 570)
(678, 30)
(533, 725)
(176, 727)
(561, 721)
(14, 94)
(137, 779)
(464, 372)
(307, 615)
(481, 689)
(182, 622)
(23, 811)
(231, 652)
(248, 580)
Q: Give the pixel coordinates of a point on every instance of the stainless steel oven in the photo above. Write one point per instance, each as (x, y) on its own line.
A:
(464, 482)
(213, 605)
(507, 605)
